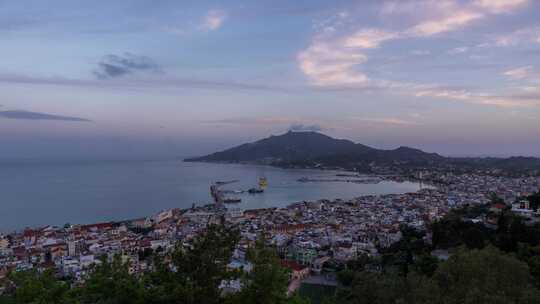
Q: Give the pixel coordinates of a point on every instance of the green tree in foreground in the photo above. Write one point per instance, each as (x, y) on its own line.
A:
(197, 270)
(484, 276)
(469, 276)
(534, 200)
(267, 281)
(111, 283)
(191, 274)
(35, 287)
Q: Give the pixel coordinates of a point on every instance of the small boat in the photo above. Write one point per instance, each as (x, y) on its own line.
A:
(255, 190)
(232, 200)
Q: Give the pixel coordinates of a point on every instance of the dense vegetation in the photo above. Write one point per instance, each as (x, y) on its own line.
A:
(190, 275)
(534, 200)
(469, 276)
(487, 265)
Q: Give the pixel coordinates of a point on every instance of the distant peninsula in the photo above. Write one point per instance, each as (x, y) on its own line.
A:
(316, 150)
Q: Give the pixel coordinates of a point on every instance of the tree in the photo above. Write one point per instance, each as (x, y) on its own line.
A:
(267, 281)
(495, 199)
(346, 277)
(359, 263)
(35, 287)
(374, 288)
(196, 271)
(534, 266)
(401, 254)
(469, 276)
(482, 276)
(426, 264)
(111, 283)
(452, 231)
(534, 200)
(296, 299)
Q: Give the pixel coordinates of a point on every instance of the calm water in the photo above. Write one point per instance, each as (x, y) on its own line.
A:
(35, 194)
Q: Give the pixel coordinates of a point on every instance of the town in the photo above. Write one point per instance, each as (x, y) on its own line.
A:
(307, 235)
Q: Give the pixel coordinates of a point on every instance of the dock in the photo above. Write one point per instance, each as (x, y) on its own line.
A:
(217, 194)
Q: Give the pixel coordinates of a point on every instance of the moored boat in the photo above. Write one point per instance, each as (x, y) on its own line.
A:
(232, 200)
(255, 190)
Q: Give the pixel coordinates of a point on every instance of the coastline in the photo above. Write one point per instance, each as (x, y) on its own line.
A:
(87, 194)
(369, 224)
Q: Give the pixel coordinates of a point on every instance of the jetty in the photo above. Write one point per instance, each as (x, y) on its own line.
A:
(219, 195)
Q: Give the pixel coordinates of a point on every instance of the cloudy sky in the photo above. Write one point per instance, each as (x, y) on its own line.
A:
(163, 78)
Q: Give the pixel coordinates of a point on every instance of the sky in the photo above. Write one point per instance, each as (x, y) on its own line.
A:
(149, 79)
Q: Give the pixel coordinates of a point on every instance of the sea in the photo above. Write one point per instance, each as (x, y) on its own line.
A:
(40, 193)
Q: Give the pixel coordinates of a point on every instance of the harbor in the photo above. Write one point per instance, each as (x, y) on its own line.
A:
(163, 185)
(220, 195)
(372, 180)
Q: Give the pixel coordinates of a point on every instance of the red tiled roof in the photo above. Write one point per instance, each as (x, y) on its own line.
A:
(292, 265)
(29, 233)
(291, 227)
(98, 226)
(499, 206)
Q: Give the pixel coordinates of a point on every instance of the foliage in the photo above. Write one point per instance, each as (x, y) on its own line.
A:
(267, 281)
(491, 266)
(426, 264)
(452, 231)
(469, 276)
(400, 256)
(316, 293)
(471, 211)
(111, 283)
(188, 275)
(495, 199)
(534, 200)
(197, 270)
(482, 276)
(39, 287)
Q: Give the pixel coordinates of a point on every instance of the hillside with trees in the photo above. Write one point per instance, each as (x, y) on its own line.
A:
(189, 274)
(313, 149)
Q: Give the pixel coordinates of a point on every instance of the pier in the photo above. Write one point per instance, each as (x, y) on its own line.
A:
(217, 194)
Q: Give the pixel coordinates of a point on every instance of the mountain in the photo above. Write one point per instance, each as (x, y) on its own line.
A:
(313, 149)
(287, 147)
(309, 148)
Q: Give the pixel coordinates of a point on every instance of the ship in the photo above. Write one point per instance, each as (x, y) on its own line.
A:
(263, 182)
